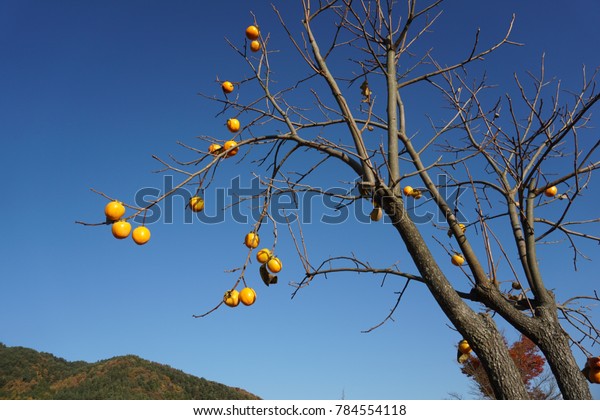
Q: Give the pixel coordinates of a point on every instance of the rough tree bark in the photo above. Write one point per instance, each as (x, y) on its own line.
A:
(481, 331)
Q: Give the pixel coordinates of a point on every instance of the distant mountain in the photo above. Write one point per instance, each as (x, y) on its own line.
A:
(29, 374)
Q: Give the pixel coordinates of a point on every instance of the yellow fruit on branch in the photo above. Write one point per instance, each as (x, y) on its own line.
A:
(141, 235)
(247, 296)
(264, 255)
(231, 148)
(457, 260)
(197, 204)
(252, 32)
(233, 124)
(551, 192)
(254, 46)
(114, 210)
(227, 87)
(214, 149)
(464, 347)
(252, 240)
(408, 190)
(274, 265)
(232, 298)
(121, 229)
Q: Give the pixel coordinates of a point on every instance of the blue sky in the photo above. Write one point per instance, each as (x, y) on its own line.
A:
(90, 90)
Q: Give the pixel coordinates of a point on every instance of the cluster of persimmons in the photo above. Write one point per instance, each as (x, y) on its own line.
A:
(121, 228)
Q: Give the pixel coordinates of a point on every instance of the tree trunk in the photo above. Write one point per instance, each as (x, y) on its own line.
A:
(554, 344)
(479, 330)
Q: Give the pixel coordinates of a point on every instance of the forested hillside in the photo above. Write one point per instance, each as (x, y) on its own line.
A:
(29, 374)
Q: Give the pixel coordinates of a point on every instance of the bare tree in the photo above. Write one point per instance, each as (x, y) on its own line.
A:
(506, 152)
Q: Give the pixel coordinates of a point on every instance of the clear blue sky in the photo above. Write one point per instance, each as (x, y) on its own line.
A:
(90, 90)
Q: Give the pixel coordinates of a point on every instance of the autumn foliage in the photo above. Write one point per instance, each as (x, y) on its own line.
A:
(526, 356)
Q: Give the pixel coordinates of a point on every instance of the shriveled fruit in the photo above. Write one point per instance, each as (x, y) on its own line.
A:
(121, 229)
(464, 347)
(274, 265)
(233, 124)
(214, 149)
(264, 255)
(227, 87)
(252, 32)
(376, 214)
(247, 296)
(114, 210)
(141, 235)
(252, 240)
(254, 46)
(267, 278)
(232, 298)
(196, 203)
(551, 192)
(231, 148)
(416, 194)
(408, 190)
(458, 260)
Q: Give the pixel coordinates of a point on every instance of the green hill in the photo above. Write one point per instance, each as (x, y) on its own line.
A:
(29, 374)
